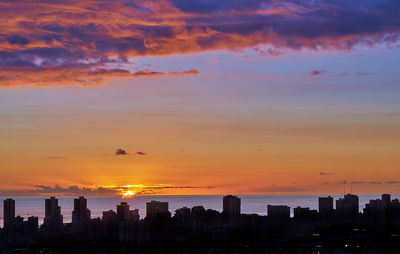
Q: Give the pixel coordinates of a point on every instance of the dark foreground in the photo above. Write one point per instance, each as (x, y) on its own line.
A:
(196, 230)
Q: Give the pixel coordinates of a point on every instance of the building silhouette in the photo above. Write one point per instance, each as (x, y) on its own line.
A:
(347, 208)
(378, 213)
(154, 208)
(231, 210)
(110, 221)
(80, 215)
(183, 214)
(386, 201)
(325, 206)
(304, 213)
(53, 220)
(32, 224)
(199, 229)
(278, 212)
(198, 210)
(9, 214)
(123, 211)
(134, 215)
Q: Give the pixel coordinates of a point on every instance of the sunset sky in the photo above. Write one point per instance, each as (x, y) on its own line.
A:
(199, 97)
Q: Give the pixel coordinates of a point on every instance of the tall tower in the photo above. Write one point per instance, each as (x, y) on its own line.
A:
(53, 220)
(80, 215)
(386, 201)
(325, 206)
(9, 213)
(123, 211)
(231, 210)
(347, 208)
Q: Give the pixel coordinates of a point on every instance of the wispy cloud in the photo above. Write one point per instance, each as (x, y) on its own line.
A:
(325, 173)
(368, 182)
(316, 73)
(365, 74)
(56, 157)
(392, 182)
(361, 182)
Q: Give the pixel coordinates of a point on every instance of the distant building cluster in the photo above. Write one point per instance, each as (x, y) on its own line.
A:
(124, 226)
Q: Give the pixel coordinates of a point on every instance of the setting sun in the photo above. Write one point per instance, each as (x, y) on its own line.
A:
(128, 194)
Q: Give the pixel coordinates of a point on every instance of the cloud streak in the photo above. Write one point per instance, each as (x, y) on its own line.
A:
(56, 157)
(317, 73)
(95, 190)
(82, 76)
(49, 43)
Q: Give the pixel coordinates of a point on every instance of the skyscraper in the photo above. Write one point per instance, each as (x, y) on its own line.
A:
(325, 206)
(231, 209)
(53, 220)
(154, 208)
(80, 215)
(9, 213)
(123, 211)
(386, 201)
(347, 208)
(110, 220)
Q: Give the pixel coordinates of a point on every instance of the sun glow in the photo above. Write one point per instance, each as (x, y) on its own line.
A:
(128, 194)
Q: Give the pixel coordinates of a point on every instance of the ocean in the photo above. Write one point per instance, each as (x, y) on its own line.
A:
(251, 204)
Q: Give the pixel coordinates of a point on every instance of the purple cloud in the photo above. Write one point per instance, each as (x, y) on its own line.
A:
(120, 152)
(85, 43)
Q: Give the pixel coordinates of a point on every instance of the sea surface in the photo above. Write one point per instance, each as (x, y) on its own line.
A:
(251, 204)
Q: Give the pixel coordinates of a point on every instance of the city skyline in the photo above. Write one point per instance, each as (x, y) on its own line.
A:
(178, 97)
(198, 229)
(328, 206)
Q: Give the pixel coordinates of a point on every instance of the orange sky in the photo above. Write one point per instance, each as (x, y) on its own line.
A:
(201, 97)
(224, 145)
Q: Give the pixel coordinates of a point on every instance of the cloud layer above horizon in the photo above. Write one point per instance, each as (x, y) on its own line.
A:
(84, 43)
(96, 190)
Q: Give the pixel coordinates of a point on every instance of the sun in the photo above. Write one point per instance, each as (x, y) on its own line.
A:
(128, 194)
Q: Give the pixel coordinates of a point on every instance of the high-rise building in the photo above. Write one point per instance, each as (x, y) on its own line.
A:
(278, 212)
(9, 213)
(53, 220)
(231, 210)
(347, 208)
(325, 206)
(110, 220)
(80, 215)
(386, 201)
(123, 211)
(154, 208)
(378, 212)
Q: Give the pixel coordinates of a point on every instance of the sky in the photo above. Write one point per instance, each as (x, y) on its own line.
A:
(199, 97)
